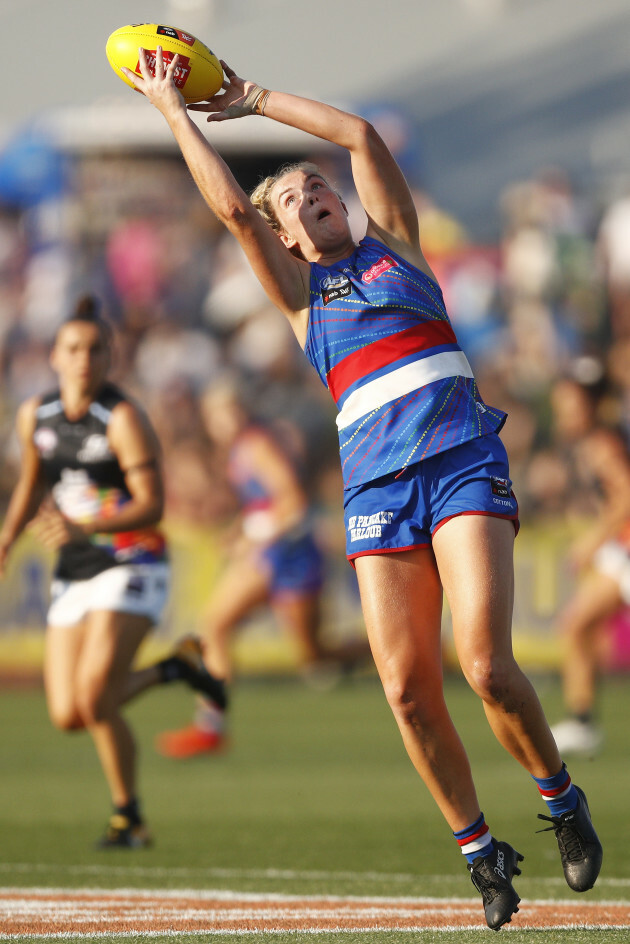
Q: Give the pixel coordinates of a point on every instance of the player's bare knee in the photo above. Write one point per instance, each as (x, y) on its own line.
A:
(492, 681)
(94, 705)
(65, 718)
(407, 703)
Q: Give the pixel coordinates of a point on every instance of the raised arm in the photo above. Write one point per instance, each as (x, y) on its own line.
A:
(284, 278)
(381, 185)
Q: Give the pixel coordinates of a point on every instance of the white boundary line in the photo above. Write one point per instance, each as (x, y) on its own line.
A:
(229, 932)
(273, 874)
(109, 935)
(227, 895)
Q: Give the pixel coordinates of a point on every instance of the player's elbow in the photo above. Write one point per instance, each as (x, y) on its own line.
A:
(244, 223)
(364, 136)
(239, 215)
(152, 509)
(156, 510)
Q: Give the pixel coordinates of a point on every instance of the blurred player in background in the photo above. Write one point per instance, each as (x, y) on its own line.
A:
(273, 559)
(600, 557)
(91, 485)
(428, 499)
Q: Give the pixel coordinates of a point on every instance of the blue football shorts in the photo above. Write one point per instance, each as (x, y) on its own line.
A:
(295, 565)
(403, 510)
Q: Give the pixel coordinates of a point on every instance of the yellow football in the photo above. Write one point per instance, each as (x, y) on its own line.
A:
(198, 75)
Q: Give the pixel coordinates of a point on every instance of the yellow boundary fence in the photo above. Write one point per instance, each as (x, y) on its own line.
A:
(543, 582)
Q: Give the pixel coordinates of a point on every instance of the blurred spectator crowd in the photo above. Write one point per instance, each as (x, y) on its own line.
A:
(549, 299)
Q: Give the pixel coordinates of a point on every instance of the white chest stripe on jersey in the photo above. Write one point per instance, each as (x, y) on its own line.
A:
(376, 393)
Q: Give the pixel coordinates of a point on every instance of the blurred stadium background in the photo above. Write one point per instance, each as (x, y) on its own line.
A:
(511, 119)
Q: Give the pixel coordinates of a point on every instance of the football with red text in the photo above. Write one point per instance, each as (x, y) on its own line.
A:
(198, 74)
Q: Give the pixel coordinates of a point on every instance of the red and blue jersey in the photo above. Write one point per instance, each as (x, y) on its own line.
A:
(381, 341)
(243, 473)
(292, 559)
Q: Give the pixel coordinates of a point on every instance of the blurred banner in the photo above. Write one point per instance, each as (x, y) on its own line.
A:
(543, 582)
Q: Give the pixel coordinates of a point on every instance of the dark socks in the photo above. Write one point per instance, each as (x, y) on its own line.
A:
(130, 811)
(175, 669)
(171, 670)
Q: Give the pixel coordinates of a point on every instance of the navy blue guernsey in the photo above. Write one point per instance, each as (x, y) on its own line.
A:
(86, 481)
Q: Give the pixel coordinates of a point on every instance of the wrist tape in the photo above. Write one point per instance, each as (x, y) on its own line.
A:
(253, 103)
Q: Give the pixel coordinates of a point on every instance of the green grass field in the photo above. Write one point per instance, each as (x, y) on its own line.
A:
(315, 797)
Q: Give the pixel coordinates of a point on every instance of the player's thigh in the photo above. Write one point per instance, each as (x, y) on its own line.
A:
(299, 613)
(474, 554)
(598, 597)
(243, 585)
(112, 639)
(401, 599)
(62, 655)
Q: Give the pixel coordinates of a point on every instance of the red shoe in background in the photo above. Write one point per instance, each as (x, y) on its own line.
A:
(190, 742)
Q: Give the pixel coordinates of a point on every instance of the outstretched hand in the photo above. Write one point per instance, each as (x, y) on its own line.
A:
(231, 102)
(160, 87)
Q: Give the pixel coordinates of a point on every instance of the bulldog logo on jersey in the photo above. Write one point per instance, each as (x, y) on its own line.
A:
(335, 286)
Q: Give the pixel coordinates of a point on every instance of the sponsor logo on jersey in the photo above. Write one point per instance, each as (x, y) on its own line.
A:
(378, 269)
(45, 440)
(335, 286)
(95, 448)
(361, 527)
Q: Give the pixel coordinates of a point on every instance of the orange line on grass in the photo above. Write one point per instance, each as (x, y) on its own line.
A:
(45, 912)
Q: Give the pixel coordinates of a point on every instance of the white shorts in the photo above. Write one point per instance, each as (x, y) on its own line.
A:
(613, 559)
(141, 589)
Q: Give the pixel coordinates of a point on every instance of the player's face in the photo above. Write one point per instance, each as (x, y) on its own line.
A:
(81, 356)
(311, 215)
